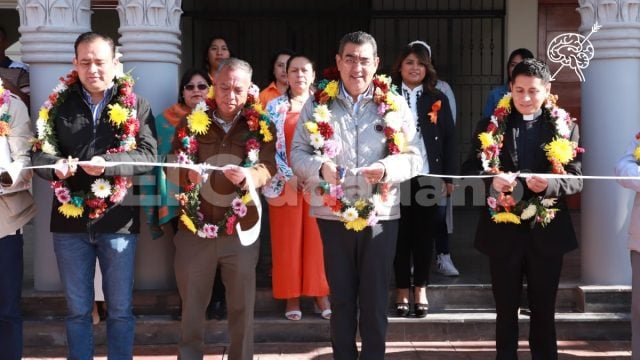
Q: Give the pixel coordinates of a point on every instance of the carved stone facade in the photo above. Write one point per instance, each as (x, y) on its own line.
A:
(150, 30)
(54, 13)
(49, 28)
(608, 11)
(621, 26)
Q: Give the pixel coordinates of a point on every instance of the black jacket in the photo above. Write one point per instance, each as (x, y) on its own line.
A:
(74, 129)
(558, 236)
(439, 138)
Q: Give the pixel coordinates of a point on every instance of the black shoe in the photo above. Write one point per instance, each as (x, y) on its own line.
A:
(402, 309)
(217, 310)
(421, 310)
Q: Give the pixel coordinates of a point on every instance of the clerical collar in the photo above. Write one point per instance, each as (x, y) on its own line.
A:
(532, 116)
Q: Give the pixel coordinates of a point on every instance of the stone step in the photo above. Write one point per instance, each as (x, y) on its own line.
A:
(441, 298)
(463, 325)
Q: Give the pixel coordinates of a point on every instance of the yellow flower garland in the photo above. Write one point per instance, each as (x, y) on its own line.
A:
(560, 151)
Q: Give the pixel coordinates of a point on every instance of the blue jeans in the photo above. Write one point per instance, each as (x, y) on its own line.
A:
(76, 255)
(10, 293)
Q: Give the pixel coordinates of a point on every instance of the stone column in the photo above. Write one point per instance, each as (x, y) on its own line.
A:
(150, 45)
(48, 30)
(610, 110)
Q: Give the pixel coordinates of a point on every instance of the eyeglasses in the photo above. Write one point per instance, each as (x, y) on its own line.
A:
(352, 61)
(192, 87)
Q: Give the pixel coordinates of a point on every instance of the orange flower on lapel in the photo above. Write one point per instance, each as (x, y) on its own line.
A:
(433, 115)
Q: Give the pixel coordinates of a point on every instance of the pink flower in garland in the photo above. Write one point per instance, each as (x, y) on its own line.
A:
(63, 195)
(129, 100)
(382, 108)
(126, 89)
(242, 211)
(118, 195)
(492, 202)
(210, 231)
(6, 97)
(132, 126)
(331, 148)
(372, 219)
(236, 204)
(336, 191)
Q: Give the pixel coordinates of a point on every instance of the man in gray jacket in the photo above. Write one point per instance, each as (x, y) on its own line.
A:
(17, 208)
(375, 131)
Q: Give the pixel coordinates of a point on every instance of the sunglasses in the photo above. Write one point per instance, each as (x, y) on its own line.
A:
(191, 87)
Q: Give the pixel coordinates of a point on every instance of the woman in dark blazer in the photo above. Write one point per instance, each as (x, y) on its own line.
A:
(416, 78)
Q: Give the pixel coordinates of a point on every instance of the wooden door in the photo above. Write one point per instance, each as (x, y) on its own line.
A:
(556, 17)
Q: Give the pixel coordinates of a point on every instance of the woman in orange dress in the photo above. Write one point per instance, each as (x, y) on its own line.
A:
(278, 82)
(298, 263)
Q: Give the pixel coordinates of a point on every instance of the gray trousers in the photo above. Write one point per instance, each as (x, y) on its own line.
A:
(358, 267)
(635, 305)
(195, 266)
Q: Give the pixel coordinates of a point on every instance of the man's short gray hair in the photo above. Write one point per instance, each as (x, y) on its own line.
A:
(235, 64)
(358, 38)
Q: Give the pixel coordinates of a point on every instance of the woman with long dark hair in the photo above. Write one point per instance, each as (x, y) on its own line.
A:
(414, 74)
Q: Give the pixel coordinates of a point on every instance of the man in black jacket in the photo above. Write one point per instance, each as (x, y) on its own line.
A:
(93, 120)
(527, 228)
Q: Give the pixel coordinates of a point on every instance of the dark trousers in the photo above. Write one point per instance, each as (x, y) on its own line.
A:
(542, 274)
(441, 232)
(10, 292)
(415, 236)
(358, 267)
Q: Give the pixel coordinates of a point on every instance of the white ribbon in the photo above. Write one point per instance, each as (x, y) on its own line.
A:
(248, 237)
(206, 167)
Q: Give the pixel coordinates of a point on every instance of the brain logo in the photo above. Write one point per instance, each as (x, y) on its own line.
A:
(572, 50)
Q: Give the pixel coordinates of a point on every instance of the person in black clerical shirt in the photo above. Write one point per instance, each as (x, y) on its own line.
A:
(527, 229)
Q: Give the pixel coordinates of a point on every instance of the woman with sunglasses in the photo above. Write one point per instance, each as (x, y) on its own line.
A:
(194, 86)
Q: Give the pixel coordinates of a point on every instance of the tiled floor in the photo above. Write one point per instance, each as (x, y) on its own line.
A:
(481, 350)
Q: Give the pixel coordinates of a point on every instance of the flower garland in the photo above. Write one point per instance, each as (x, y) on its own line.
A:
(560, 151)
(5, 118)
(360, 213)
(198, 123)
(636, 151)
(104, 191)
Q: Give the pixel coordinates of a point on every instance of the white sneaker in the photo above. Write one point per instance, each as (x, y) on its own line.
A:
(445, 265)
